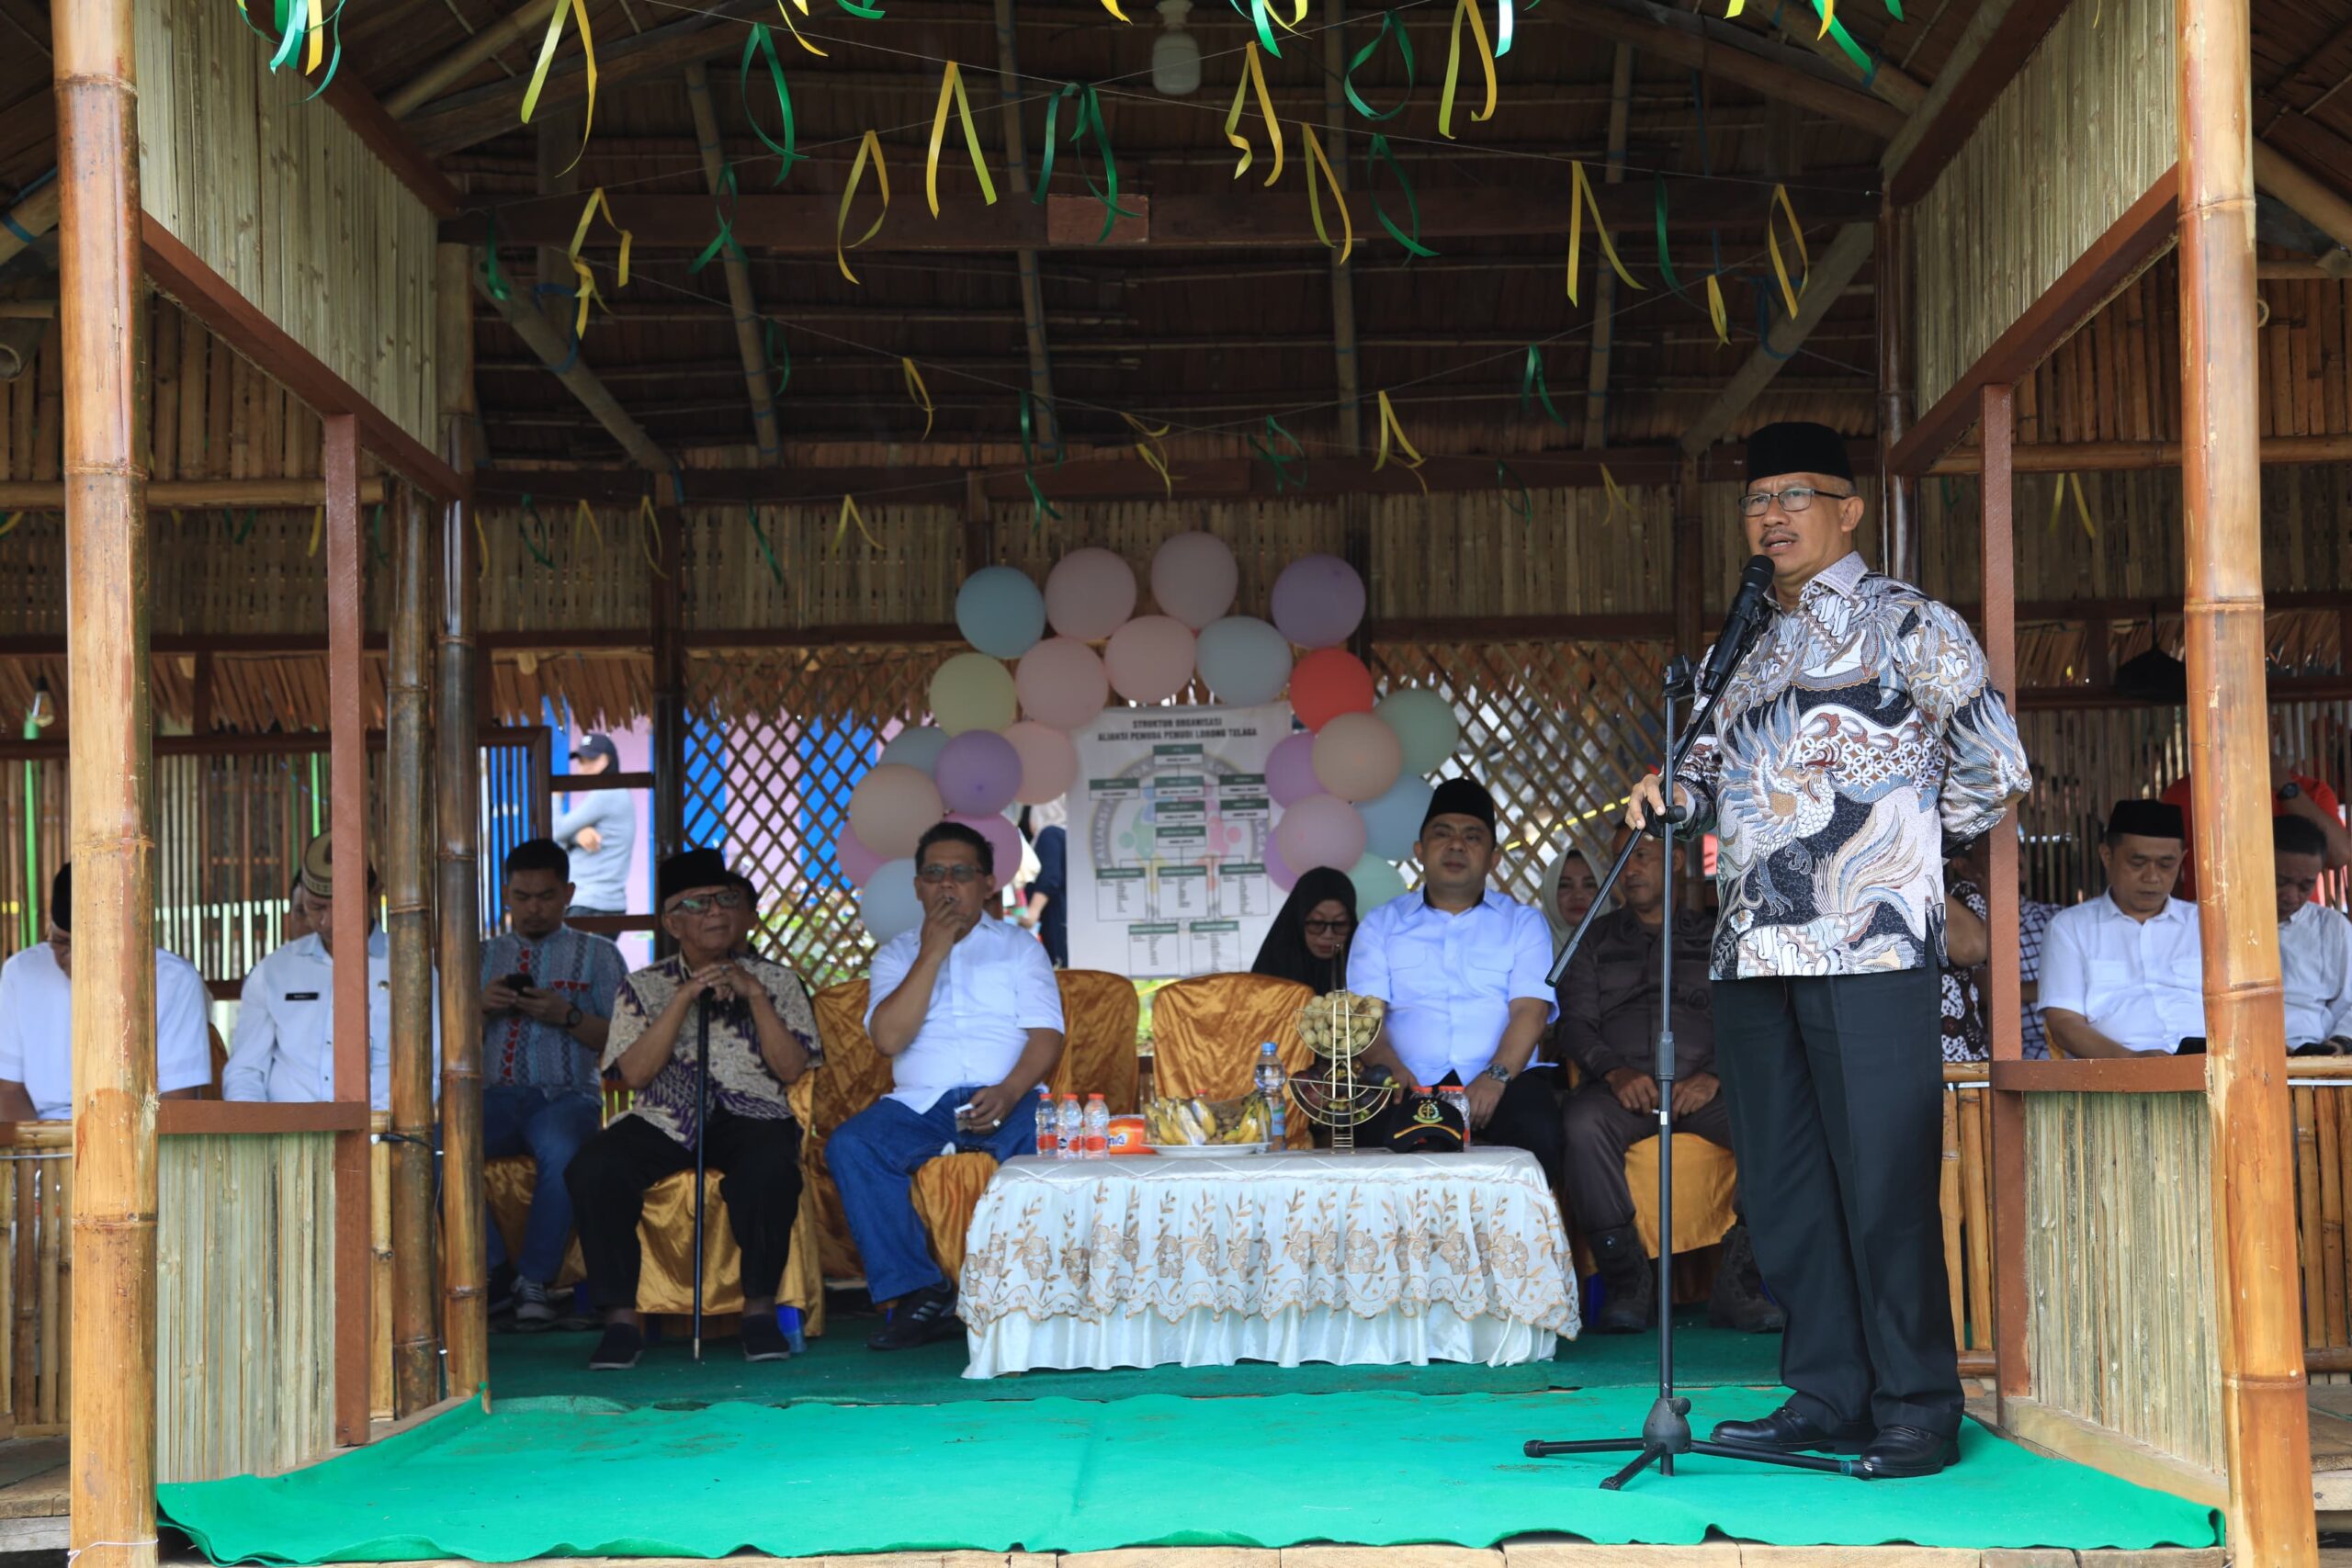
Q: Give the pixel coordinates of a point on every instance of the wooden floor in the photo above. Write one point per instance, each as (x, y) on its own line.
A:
(32, 1494)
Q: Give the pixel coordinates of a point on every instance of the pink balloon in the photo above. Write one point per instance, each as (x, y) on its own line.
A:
(1290, 770)
(858, 861)
(1061, 682)
(891, 807)
(1004, 841)
(1357, 756)
(1194, 576)
(1048, 761)
(1150, 659)
(1322, 829)
(977, 772)
(1277, 871)
(1089, 594)
(1317, 600)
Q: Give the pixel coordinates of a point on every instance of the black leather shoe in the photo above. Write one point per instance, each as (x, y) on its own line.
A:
(1900, 1453)
(1786, 1431)
(922, 1318)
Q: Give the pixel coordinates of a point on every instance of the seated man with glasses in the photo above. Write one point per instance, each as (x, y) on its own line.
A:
(763, 1036)
(968, 1012)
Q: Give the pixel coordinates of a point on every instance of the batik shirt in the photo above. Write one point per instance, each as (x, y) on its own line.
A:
(582, 968)
(741, 1083)
(1858, 743)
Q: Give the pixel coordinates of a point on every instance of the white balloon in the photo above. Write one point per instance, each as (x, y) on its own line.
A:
(888, 903)
(1244, 661)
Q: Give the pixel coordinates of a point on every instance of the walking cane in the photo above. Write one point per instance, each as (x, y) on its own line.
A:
(702, 1142)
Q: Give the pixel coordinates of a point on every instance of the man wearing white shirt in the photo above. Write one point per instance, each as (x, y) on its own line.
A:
(1463, 969)
(2123, 974)
(282, 1049)
(968, 1011)
(2314, 944)
(37, 1023)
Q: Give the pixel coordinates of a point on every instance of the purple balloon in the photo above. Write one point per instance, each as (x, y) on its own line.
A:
(977, 772)
(1317, 600)
(1005, 843)
(858, 861)
(1290, 770)
(1276, 871)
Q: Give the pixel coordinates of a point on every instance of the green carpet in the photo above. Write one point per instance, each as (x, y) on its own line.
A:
(839, 1368)
(549, 1479)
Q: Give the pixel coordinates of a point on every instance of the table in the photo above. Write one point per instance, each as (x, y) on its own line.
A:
(1367, 1258)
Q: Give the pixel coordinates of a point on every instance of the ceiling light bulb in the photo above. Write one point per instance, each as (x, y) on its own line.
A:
(44, 711)
(1175, 53)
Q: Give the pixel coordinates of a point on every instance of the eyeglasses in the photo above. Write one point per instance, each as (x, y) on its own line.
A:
(1793, 500)
(958, 875)
(1328, 928)
(702, 903)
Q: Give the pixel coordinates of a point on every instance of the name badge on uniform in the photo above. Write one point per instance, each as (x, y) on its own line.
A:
(301, 996)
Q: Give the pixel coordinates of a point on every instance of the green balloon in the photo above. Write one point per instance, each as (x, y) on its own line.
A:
(1425, 726)
(1376, 882)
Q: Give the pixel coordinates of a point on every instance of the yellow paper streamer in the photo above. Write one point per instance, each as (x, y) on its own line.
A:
(1391, 430)
(649, 539)
(869, 147)
(1715, 310)
(579, 9)
(850, 514)
(481, 545)
(1828, 15)
(1454, 67)
(318, 40)
(8, 527)
(793, 27)
(1772, 243)
(587, 290)
(1253, 74)
(318, 524)
(1113, 6)
(1147, 448)
(951, 82)
(1581, 198)
(2082, 507)
(1316, 160)
(916, 390)
(1617, 501)
(583, 512)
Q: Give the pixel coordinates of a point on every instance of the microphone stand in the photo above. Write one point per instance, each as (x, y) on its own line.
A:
(1666, 1433)
(702, 1145)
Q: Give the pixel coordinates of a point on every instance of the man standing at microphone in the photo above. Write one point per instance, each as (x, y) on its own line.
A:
(1857, 746)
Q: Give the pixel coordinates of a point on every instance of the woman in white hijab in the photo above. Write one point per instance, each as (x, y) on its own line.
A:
(1570, 883)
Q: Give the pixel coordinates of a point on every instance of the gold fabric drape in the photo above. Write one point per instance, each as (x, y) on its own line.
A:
(1205, 1032)
(1099, 1015)
(1705, 1180)
(854, 1075)
(946, 1191)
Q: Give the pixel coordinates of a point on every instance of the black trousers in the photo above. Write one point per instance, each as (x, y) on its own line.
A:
(1597, 1130)
(1527, 1117)
(1836, 1089)
(609, 1176)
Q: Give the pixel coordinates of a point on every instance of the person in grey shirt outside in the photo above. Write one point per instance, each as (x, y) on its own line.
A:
(600, 831)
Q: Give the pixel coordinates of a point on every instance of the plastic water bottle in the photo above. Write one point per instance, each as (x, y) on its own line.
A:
(1070, 1130)
(1272, 1083)
(1097, 1127)
(1047, 1142)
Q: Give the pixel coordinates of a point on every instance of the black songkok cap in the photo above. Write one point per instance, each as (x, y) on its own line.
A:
(690, 869)
(60, 898)
(1797, 446)
(1461, 797)
(2146, 819)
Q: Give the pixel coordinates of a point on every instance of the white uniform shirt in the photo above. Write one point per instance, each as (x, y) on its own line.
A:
(1449, 980)
(37, 1028)
(283, 1048)
(996, 985)
(2315, 971)
(2142, 984)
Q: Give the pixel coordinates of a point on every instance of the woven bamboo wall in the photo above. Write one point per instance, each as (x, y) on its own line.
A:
(2073, 140)
(283, 200)
(244, 1311)
(2119, 1267)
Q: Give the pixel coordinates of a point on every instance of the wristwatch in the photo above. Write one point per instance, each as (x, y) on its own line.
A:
(1497, 1072)
(571, 1019)
(2290, 790)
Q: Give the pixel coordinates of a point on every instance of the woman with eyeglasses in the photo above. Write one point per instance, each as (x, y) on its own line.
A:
(1311, 931)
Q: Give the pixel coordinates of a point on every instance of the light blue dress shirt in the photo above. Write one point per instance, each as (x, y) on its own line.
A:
(996, 987)
(1449, 980)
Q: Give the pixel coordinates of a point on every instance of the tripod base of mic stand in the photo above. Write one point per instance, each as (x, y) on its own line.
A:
(1665, 1434)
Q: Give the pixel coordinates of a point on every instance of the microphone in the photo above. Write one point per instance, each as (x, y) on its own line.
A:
(1746, 615)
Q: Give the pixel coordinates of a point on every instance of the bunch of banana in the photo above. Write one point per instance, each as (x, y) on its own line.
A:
(1341, 1024)
(1202, 1121)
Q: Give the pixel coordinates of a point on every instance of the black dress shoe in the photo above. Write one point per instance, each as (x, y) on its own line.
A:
(922, 1318)
(1900, 1453)
(1787, 1431)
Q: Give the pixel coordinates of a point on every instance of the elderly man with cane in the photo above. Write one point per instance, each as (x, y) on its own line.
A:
(1857, 745)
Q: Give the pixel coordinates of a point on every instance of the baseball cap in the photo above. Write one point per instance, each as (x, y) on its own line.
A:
(596, 745)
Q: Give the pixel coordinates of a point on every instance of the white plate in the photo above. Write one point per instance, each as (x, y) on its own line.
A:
(1205, 1151)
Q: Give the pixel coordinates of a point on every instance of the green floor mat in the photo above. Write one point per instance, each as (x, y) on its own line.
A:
(545, 1479)
(839, 1368)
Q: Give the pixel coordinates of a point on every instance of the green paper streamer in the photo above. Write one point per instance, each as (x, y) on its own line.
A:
(523, 525)
(1374, 155)
(1863, 59)
(762, 43)
(766, 550)
(1269, 448)
(773, 341)
(1264, 24)
(1525, 505)
(725, 238)
(1532, 388)
(493, 279)
(1086, 120)
(1502, 27)
(871, 13)
(1389, 28)
(1665, 256)
(375, 551)
(1039, 507)
(238, 535)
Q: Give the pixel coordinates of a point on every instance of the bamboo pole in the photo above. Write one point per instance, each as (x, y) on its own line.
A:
(1898, 494)
(564, 364)
(1604, 296)
(2132, 457)
(36, 214)
(464, 1313)
(758, 382)
(1347, 357)
(458, 63)
(32, 495)
(2313, 199)
(1009, 94)
(347, 823)
(416, 1351)
(112, 1479)
(2265, 1416)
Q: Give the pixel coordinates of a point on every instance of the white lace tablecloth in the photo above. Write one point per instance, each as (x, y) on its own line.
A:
(1371, 1258)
